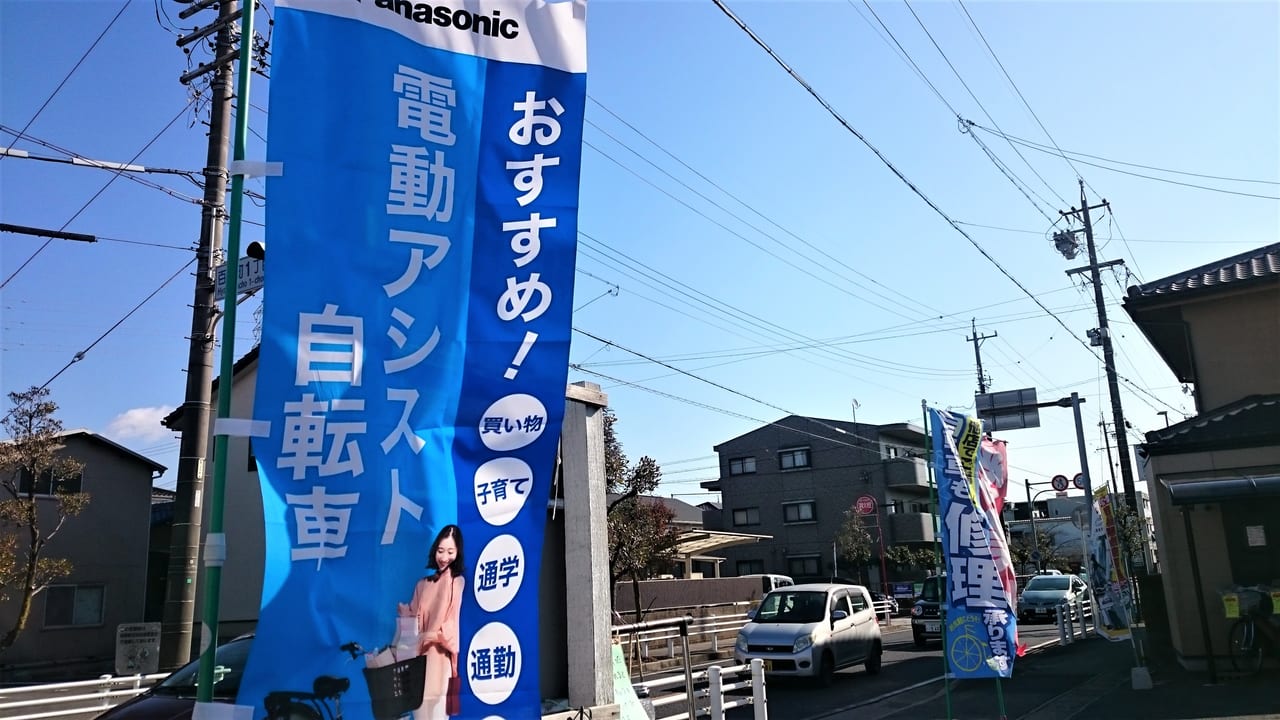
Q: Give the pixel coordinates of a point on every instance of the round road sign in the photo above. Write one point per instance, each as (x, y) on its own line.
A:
(1060, 483)
(865, 505)
(1078, 481)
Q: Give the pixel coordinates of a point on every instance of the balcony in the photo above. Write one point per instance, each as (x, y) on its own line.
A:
(911, 527)
(906, 474)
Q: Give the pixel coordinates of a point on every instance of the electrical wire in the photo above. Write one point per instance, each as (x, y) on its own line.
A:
(1165, 242)
(81, 354)
(883, 159)
(1016, 90)
(71, 72)
(900, 297)
(98, 194)
(976, 100)
(1022, 187)
(1045, 149)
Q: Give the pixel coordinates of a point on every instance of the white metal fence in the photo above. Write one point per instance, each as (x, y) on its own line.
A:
(71, 700)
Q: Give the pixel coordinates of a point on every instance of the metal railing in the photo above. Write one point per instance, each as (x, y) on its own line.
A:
(712, 699)
(83, 698)
(656, 640)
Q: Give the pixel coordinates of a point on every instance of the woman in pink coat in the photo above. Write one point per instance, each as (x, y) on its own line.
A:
(436, 599)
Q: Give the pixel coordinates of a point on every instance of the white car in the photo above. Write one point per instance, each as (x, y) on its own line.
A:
(812, 631)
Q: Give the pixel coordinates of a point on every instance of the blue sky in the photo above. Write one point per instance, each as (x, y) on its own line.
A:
(713, 184)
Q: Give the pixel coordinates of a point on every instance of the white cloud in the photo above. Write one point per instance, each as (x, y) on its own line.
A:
(140, 424)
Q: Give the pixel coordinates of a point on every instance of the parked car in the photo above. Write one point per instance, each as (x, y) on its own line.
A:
(926, 624)
(174, 698)
(769, 583)
(812, 631)
(1042, 595)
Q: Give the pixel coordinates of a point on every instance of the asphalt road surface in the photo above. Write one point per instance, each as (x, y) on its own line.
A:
(906, 669)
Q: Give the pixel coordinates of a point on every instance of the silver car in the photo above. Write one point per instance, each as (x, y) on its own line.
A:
(1044, 593)
(812, 631)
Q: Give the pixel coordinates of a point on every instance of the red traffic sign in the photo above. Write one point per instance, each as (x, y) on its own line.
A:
(865, 505)
(1060, 483)
(1078, 481)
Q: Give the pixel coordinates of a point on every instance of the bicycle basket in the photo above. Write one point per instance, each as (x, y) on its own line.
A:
(396, 689)
(1254, 603)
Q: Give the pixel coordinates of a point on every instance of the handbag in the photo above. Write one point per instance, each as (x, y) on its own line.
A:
(453, 697)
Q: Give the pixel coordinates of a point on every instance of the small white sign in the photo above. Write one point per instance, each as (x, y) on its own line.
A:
(137, 648)
(248, 277)
(1256, 534)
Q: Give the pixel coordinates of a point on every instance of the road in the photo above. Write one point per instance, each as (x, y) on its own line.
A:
(906, 671)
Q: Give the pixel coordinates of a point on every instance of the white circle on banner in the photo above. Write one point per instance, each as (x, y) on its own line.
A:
(513, 422)
(499, 572)
(493, 663)
(502, 485)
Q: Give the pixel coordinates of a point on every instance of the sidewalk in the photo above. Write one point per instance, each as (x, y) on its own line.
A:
(1090, 679)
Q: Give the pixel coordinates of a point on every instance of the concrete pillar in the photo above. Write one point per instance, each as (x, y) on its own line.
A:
(586, 540)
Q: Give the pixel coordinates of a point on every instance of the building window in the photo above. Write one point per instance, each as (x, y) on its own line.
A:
(892, 451)
(750, 567)
(794, 458)
(919, 507)
(48, 485)
(742, 466)
(72, 605)
(798, 512)
(746, 516)
(804, 565)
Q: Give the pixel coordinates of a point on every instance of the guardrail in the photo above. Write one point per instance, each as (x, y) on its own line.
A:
(71, 699)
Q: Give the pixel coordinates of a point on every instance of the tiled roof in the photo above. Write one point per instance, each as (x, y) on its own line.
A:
(1256, 265)
(1253, 421)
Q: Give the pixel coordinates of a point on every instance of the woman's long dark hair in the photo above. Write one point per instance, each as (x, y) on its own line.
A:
(455, 568)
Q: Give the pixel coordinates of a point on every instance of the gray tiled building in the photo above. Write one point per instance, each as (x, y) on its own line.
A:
(795, 478)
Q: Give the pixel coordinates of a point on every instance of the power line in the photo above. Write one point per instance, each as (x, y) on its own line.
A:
(71, 72)
(1019, 92)
(101, 190)
(1167, 242)
(81, 354)
(1045, 149)
(976, 100)
(840, 118)
(1022, 187)
(744, 204)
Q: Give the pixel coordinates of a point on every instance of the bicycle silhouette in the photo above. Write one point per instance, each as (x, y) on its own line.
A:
(967, 651)
(395, 691)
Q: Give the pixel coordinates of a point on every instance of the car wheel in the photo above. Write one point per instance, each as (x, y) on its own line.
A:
(826, 670)
(918, 637)
(873, 660)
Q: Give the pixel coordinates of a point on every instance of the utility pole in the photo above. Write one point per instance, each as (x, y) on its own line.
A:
(977, 353)
(1066, 243)
(184, 548)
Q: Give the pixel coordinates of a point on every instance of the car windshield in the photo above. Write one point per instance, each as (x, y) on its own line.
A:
(784, 606)
(932, 590)
(1049, 582)
(228, 667)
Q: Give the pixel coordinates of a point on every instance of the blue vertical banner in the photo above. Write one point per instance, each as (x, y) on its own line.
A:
(422, 238)
(980, 628)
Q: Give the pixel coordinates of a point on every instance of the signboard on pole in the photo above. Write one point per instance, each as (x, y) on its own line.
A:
(865, 505)
(1008, 410)
(248, 277)
(137, 648)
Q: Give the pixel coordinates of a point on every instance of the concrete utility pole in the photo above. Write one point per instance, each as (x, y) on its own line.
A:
(1104, 334)
(977, 353)
(184, 548)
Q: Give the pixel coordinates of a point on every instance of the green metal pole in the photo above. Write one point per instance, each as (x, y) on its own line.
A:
(1004, 715)
(937, 552)
(215, 541)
